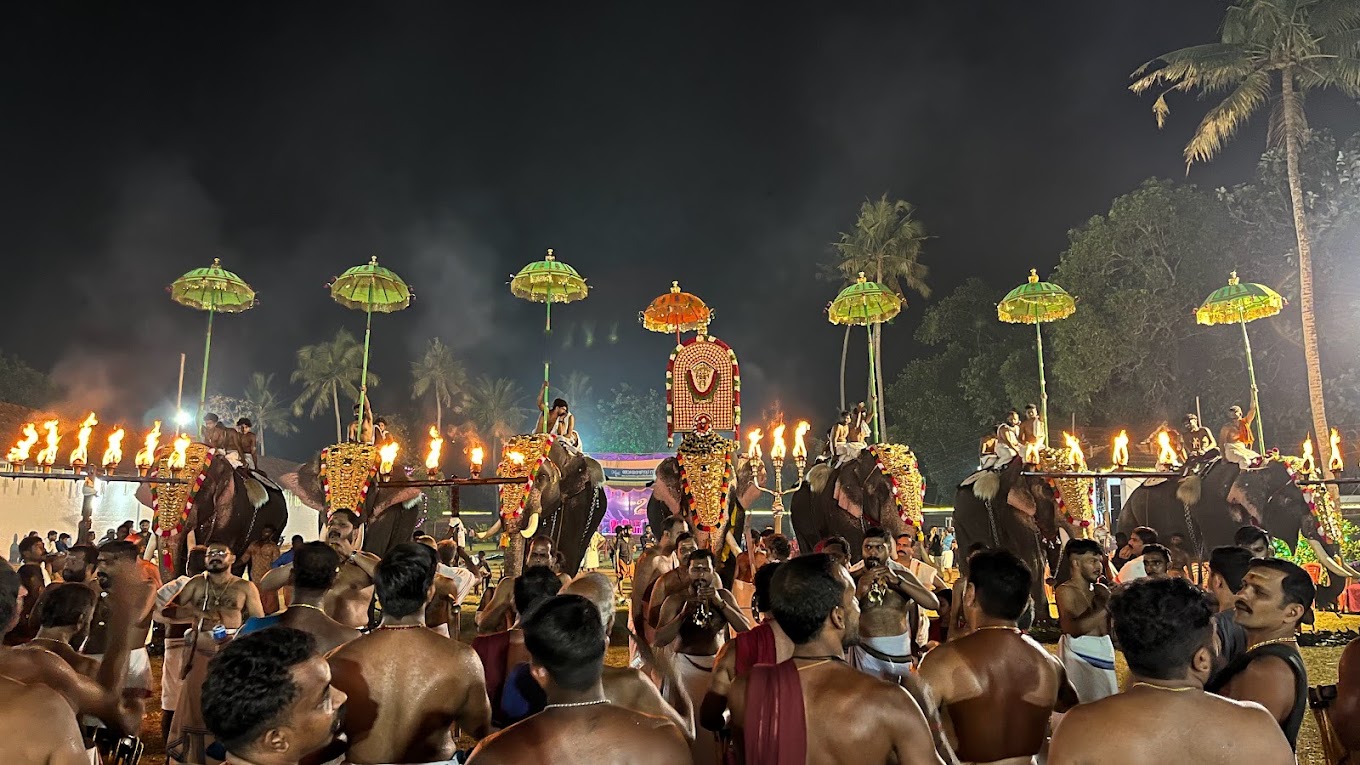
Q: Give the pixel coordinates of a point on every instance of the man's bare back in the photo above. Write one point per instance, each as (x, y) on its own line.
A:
(329, 633)
(604, 734)
(1147, 724)
(37, 726)
(651, 565)
(407, 689)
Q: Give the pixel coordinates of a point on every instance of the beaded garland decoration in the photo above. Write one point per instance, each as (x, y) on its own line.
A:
(1075, 496)
(898, 464)
(347, 472)
(534, 448)
(705, 460)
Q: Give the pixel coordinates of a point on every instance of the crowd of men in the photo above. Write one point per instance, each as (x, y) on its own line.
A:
(826, 657)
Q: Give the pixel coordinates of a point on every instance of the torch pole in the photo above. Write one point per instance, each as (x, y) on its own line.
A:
(207, 349)
(1251, 375)
(1043, 385)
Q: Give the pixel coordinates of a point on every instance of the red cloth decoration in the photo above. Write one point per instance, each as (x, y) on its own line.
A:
(755, 646)
(776, 728)
(494, 651)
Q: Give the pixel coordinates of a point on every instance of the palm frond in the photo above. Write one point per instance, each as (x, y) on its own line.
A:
(1224, 120)
(1329, 17)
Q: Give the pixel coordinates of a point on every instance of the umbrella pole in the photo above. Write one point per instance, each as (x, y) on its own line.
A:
(363, 377)
(1251, 375)
(1043, 384)
(207, 348)
(547, 350)
(873, 387)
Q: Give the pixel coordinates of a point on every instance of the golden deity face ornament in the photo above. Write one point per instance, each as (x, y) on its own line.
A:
(706, 462)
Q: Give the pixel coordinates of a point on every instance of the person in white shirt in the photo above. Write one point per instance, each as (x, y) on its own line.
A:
(1133, 551)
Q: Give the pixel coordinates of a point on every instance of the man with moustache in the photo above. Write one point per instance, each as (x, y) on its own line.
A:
(1085, 647)
(1165, 630)
(314, 569)
(1227, 567)
(653, 564)
(33, 571)
(887, 593)
(176, 651)
(996, 686)
(499, 613)
(118, 562)
(217, 603)
(269, 699)
(764, 643)
(348, 600)
(1276, 597)
(672, 582)
(408, 686)
(815, 707)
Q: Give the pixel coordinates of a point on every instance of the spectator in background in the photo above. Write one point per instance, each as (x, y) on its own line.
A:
(1254, 540)
(1133, 552)
(63, 542)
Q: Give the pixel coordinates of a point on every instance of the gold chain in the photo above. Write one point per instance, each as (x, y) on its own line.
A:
(818, 664)
(1165, 687)
(306, 605)
(998, 627)
(1276, 641)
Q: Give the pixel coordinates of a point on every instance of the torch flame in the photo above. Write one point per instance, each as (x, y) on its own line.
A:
(19, 454)
(1120, 455)
(180, 456)
(800, 448)
(1165, 454)
(753, 438)
(114, 453)
(477, 454)
(147, 454)
(777, 448)
(436, 446)
(80, 454)
(1308, 454)
(387, 454)
(516, 458)
(1336, 464)
(48, 455)
(1074, 450)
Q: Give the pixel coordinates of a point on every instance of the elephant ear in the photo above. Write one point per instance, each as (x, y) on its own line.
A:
(305, 484)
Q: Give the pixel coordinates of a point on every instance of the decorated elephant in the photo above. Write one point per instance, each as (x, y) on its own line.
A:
(562, 497)
(1010, 510)
(881, 486)
(1209, 508)
(217, 502)
(710, 484)
(345, 476)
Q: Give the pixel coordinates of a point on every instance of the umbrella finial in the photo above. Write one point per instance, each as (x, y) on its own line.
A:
(675, 286)
(373, 260)
(217, 263)
(549, 256)
(860, 279)
(1034, 276)
(1232, 278)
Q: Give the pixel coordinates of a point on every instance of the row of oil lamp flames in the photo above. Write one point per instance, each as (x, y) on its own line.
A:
(387, 456)
(79, 458)
(1168, 457)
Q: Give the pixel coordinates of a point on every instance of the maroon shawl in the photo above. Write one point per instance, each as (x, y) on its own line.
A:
(776, 729)
(755, 646)
(494, 651)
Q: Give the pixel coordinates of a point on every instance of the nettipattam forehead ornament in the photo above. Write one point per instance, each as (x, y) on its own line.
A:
(898, 464)
(346, 472)
(705, 461)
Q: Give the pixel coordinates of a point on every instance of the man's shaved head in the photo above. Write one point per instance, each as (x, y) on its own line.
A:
(597, 589)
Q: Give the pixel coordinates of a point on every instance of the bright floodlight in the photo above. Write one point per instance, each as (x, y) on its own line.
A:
(181, 418)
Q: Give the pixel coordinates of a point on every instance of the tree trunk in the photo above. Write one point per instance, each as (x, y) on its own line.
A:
(878, 368)
(845, 352)
(1312, 360)
(259, 440)
(438, 414)
(335, 400)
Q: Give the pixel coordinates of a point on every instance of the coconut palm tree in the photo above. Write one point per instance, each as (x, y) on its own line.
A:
(1269, 51)
(327, 371)
(886, 245)
(439, 374)
(496, 408)
(576, 389)
(267, 408)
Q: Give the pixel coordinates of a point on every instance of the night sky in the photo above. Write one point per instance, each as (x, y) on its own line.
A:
(721, 144)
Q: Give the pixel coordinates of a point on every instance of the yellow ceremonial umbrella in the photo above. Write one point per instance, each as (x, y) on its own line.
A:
(1036, 302)
(548, 281)
(1240, 303)
(862, 304)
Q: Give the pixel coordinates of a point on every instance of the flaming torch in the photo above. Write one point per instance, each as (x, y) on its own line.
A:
(48, 456)
(80, 455)
(800, 448)
(1308, 456)
(1074, 450)
(1335, 463)
(19, 454)
(114, 453)
(1165, 454)
(1120, 455)
(516, 457)
(387, 454)
(476, 455)
(179, 458)
(147, 454)
(753, 451)
(432, 460)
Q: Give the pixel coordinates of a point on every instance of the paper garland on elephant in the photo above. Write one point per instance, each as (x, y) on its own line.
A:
(1319, 502)
(702, 379)
(898, 464)
(347, 472)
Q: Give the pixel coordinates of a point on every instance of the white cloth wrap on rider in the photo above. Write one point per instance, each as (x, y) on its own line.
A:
(1239, 453)
(1089, 661)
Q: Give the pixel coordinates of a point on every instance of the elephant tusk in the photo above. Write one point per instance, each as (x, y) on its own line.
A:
(529, 531)
(1327, 561)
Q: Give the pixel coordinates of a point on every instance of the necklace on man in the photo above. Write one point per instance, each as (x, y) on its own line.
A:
(1276, 641)
(998, 627)
(1164, 687)
(398, 626)
(307, 605)
(577, 704)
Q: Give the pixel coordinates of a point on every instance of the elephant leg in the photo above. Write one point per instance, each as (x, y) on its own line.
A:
(514, 555)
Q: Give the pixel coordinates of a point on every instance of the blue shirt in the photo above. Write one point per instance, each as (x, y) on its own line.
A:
(283, 560)
(257, 623)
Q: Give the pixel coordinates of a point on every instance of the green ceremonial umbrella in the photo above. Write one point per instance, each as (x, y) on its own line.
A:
(862, 304)
(548, 281)
(1240, 303)
(370, 288)
(215, 290)
(1036, 302)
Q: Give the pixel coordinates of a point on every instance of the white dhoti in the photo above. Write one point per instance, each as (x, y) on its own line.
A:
(1089, 661)
(138, 677)
(946, 559)
(1000, 458)
(1239, 453)
(886, 657)
(696, 672)
(171, 670)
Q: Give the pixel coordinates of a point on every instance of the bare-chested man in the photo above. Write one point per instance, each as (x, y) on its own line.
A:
(1276, 597)
(1032, 431)
(312, 575)
(1345, 711)
(64, 613)
(408, 686)
(258, 559)
(764, 643)
(36, 725)
(348, 600)
(627, 687)
(499, 614)
(888, 595)
(1236, 438)
(651, 566)
(579, 725)
(814, 707)
(696, 622)
(749, 562)
(176, 651)
(996, 686)
(1166, 633)
(505, 661)
(1085, 646)
(452, 583)
(670, 583)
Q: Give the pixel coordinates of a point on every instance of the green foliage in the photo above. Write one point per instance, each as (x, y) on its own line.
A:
(229, 409)
(267, 410)
(627, 421)
(23, 385)
(496, 409)
(441, 375)
(330, 372)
